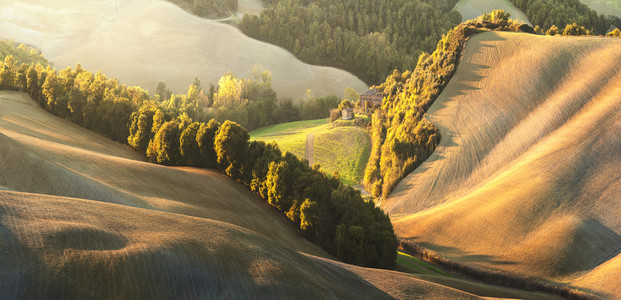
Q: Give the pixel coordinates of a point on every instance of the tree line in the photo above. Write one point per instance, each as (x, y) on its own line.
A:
(367, 38)
(402, 137)
(560, 13)
(250, 102)
(326, 211)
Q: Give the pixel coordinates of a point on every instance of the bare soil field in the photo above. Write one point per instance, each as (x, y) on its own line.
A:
(141, 42)
(527, 175)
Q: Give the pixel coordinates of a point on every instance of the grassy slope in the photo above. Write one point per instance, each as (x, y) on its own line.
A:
(605, 7)
(342, 148)
(471, 9)
(150, 46)
(527, 168)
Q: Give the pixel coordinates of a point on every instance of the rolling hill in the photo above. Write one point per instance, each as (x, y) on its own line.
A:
(150, 46)
(84, 217)
(526, 177)
(470, 9)
(335, 148)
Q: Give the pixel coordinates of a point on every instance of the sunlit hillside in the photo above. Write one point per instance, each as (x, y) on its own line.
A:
(334, 146)
(132, 40)
(526, 177)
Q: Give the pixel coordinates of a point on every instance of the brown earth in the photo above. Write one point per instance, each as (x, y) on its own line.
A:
(527, 176)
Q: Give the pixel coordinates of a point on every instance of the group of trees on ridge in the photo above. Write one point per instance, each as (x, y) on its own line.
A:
(251, 102)
(366, 38)
(328, 212)
(402, 137)
(560, 13)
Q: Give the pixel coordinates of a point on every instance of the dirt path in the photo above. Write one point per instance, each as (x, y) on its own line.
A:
(310, 147)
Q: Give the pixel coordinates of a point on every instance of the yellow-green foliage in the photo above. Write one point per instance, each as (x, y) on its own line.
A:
(402, 138)
(344, 149)
(22, 53)
(615, 33)
(336, 148)
(290, 137)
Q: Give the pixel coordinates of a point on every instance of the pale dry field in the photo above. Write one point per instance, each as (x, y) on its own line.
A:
(471, 9)
(141, 42)
(527, 176)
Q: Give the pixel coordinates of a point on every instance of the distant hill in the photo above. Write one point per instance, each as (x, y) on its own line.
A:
(470, 9)
(605, 7)
(526, 176)
(150, 46)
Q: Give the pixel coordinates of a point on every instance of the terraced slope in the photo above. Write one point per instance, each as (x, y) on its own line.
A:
(147, 45)
(527, 177)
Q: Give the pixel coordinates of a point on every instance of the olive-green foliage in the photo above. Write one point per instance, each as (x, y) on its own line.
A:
(22, 54)
(316, 203)
(208, 8)
(165, 146)
(402, 138)
(205, 137)
(366, 38)
(140, 130)
(230, 145)
(188, 145)
(547, 13)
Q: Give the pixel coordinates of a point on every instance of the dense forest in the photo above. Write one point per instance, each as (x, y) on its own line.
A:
(367, 38)
(402, 138)
(560, 13)
(327, 212)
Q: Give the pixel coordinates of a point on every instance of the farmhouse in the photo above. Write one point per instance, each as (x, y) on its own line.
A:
(347, 114)
(371, 98)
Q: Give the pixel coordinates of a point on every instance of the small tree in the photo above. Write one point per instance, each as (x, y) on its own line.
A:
(205, 138)
(574, 30)
(188, 145)
(231, 144)
(552, 31)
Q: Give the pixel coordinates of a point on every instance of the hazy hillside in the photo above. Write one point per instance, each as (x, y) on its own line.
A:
(148, 46)
(605, 7)
(526, 176)
(470, 9)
